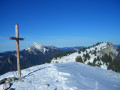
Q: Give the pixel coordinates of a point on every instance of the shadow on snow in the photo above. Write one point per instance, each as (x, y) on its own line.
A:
(31, 73)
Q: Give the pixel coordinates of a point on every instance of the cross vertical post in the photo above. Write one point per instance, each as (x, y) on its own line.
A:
(17, 49)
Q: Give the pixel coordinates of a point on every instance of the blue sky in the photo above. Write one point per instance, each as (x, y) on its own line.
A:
(59, 22)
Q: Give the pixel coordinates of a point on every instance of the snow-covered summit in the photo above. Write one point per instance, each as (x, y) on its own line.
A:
(38, 46)
(103, 48)
(43, 49)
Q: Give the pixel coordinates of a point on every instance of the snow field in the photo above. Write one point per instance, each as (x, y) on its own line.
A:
(45, 77)
(66, 76)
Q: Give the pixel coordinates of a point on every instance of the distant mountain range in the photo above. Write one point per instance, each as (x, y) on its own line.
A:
(34, 55)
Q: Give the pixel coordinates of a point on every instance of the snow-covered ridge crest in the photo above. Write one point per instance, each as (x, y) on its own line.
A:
(92, 55)
(72, 57)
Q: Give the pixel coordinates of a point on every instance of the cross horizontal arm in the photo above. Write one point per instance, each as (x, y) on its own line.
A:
(14, 38)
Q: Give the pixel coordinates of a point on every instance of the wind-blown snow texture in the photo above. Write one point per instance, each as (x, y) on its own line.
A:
(66, 76)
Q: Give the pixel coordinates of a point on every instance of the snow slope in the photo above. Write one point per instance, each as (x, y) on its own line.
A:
(68, 58)
(71, 57)
(101, 49)
(66, 76)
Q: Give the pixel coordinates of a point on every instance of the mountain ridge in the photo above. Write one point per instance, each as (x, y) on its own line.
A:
(40, 54)
(33, 55)
(72, 70)
(104, 55)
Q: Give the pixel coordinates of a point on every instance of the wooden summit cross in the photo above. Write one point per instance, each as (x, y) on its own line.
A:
(17, 49)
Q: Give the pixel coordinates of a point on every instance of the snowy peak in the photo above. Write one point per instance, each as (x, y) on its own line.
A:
(109, 49)
(104, 48)
(38, 46)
